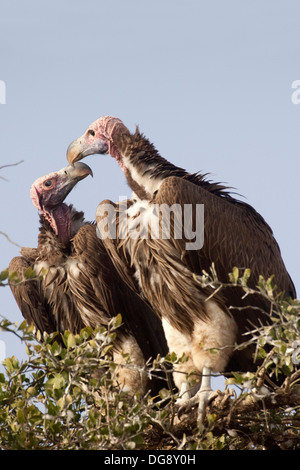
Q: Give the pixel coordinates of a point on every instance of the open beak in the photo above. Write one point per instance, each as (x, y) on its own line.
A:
(84, 146)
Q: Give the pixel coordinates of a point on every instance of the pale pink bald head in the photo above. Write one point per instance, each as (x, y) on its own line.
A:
(48, 193)
(98, 138)
(52, 189)
(106, 128)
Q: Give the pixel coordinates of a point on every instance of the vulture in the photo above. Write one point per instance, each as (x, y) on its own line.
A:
(203, 326)
(79, 285)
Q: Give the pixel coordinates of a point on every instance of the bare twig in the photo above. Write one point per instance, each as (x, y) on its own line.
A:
(10, 241)
(9, 164)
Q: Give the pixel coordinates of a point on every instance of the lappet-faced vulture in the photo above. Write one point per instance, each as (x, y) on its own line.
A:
(202, 326)
(80, 286)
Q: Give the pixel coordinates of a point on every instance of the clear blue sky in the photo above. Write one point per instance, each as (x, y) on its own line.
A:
(209, 82)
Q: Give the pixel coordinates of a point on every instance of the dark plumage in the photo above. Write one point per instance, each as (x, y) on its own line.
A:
(234, 235)
(80, 286)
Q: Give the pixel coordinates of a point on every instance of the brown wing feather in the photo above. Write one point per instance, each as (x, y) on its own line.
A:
(234, 235)
(30, 299)
(112, 244)
(113, 293)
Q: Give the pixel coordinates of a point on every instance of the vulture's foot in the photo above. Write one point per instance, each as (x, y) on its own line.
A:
(201, 398)
(186, 394)
(204, 397)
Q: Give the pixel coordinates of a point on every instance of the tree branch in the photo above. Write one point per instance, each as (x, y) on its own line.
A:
(7, 165)
(10, 241)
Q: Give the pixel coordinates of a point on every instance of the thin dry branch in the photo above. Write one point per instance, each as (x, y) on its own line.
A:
(9, 239)
(7, 165)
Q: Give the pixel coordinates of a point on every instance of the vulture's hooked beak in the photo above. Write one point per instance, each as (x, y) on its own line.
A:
(84, 146)
(70, 176)
(76, 172)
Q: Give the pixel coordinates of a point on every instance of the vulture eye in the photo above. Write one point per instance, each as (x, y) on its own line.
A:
(48, 183)
(91, 132)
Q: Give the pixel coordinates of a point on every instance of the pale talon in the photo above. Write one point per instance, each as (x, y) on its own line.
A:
(201, 398)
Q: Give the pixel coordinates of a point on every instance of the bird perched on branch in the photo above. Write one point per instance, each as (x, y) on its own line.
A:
(203, 326)
(80, 286)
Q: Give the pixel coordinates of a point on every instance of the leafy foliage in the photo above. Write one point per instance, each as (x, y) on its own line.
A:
(63, 395)
(7, 277)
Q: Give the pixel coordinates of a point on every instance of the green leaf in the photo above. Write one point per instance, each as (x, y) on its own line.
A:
(56, 382)
(11, 364)
(261, 353)
(234, 276)
(86, 332)
(4, 274)
(171, 357)
(29, 273)
(286, 370)
(56, 349)
(106, 350)
(245, 277)
(118, 320)
(31, 391)
(23, 326)
(20, 416)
